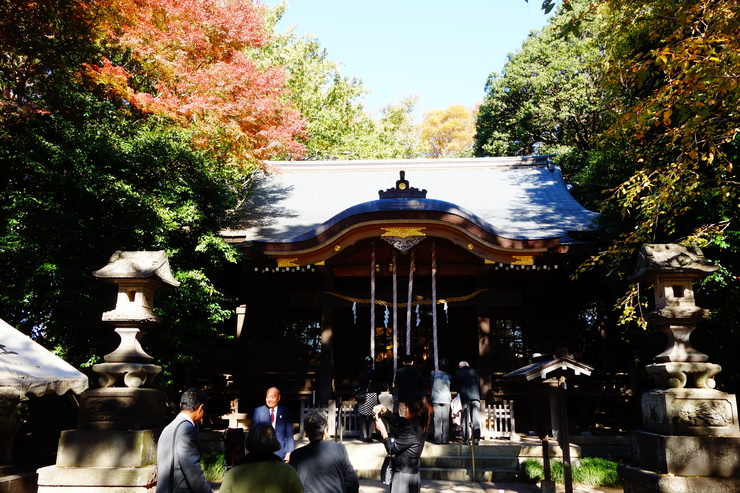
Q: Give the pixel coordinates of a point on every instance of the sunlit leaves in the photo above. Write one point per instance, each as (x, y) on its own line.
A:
(448, 132)
(337, 126)
(194, 58)
(673, 71)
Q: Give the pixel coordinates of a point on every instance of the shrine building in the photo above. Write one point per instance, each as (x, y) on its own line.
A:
(462, 259)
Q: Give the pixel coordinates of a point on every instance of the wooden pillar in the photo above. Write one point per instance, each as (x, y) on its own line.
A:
(326, 368)
(559, 410)
(484, 336)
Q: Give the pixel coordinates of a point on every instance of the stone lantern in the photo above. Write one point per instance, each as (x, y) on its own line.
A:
(690, 439)
(137, 275)
(115, 443)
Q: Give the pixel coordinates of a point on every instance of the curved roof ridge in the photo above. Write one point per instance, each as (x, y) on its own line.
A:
(399, 204)
(512, 197)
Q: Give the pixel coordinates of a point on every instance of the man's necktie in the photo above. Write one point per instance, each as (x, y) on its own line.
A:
(272, 416)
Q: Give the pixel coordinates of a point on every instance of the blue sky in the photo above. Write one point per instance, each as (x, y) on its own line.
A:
(441, 51)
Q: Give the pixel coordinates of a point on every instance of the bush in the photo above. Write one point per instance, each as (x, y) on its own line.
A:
(213, 467)
(592, 471)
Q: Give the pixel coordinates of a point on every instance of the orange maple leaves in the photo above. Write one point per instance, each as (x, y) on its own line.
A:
(189, 60)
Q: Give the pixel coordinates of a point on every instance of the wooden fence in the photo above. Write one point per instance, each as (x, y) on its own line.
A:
(497, 421)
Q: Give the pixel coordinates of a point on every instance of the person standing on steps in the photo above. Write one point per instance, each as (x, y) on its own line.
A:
(178, 454)
(368, 387)
(279, 417)
(408, 381)
(468, 386)
(409, 442)
(441, 399)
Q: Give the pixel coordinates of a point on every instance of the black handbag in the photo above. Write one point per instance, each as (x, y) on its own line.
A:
(360, 396)
(386, 470)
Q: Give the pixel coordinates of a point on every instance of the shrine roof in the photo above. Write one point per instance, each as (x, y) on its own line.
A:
(519, 198)
(549, 366)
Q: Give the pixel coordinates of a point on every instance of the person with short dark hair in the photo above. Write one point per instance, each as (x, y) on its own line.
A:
(408, 381)
(178, 454)
(323, 466)
(262, 470)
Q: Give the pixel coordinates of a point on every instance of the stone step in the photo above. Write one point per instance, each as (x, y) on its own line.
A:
(483, 462)
(495, 460)
(455, 474)
(484, 449)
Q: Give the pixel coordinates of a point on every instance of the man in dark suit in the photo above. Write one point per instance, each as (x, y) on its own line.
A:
(323, 466)
(178, 454)
(468, 386)
(279, 417)
(409, 381)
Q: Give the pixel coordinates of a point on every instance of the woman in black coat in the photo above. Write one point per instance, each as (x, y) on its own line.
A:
(408, 444)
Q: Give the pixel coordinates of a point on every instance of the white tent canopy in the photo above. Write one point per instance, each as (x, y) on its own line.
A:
(31, 369)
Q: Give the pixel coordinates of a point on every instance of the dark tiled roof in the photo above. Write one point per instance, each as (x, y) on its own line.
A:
(515, 198)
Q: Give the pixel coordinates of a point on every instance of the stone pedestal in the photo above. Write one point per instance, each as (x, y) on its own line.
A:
(687, 455)
(122, 408)
(55, 479)
(114, 449)
(690, 443)
(692, 412)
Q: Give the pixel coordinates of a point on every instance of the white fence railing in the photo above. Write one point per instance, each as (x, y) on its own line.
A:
(342, 419)
(497, 420)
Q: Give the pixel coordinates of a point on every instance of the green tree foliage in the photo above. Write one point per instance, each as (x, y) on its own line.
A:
(337, 125)
(668, 78)
(671, 76)
(85, 171)
(547, 95)
(329, 101)
(397, 132)
(548, 100)
(651, 88)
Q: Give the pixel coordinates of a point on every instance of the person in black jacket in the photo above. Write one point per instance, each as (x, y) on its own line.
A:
(468, 386)
(408, 444)
(408, 381)
(323, 466)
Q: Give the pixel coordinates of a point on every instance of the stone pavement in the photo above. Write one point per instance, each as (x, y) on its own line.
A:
(433, 486)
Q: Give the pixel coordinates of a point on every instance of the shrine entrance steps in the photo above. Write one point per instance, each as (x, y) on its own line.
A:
(495, 460)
